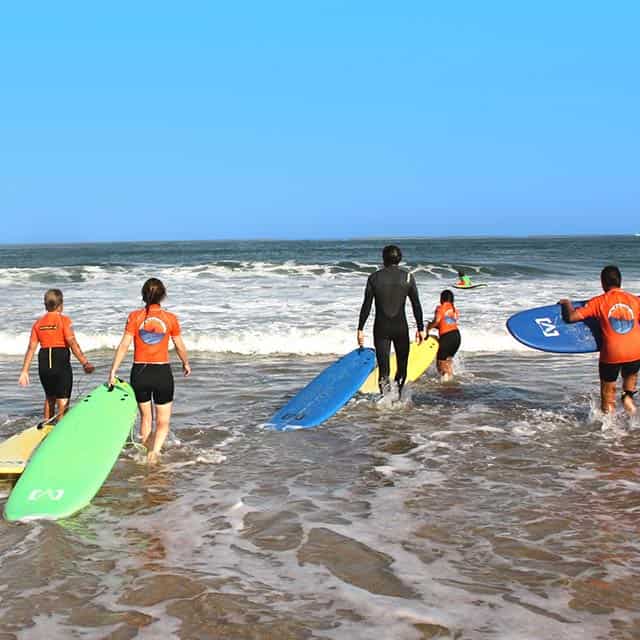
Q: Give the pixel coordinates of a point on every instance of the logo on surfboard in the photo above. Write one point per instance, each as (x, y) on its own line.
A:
(52, 494)
(549, 330)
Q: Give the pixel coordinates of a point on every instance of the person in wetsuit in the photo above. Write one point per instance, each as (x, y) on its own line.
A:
(390, 287)
(445, 320)
(54, 334)
(463, 279)
(618, 313)
(150, 329)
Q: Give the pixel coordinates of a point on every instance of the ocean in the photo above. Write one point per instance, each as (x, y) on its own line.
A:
(499, 506)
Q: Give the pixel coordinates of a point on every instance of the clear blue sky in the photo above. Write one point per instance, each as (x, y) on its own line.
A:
(302, 119)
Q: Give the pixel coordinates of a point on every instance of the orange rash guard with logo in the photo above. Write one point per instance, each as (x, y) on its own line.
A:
(151, 329)
(446, 318)
(52, 330)
(618, 313)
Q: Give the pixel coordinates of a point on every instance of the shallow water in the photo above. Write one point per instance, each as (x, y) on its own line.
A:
(497, 506)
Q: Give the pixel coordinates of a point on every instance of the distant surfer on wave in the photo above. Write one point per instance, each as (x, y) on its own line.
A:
(151, 378)
(390, 287)
(618, 313)
(55, 336)
(463, 279)
(445, 320)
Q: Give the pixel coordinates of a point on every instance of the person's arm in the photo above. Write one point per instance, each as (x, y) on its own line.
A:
(365, 310)
(181, 350)
(437, 317)
(72, 343)
(23, 380)
(121, 351)
(417, 309)
(569, 314)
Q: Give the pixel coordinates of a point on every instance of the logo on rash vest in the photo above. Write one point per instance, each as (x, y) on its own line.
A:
(621, 318)
(152, 330)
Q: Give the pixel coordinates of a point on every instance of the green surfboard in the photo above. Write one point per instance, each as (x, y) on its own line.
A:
(69, 467)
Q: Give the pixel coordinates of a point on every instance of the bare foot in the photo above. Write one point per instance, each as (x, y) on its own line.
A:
(153, 457)
(629, 405)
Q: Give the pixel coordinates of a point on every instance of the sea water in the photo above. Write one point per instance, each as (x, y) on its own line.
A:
(501, 505)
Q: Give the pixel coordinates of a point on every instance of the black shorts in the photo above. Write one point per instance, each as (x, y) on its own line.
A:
(152, 380)
(54, 369)
(609, 372)
(449, 344)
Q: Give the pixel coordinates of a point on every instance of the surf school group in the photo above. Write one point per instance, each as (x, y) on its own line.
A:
(152, 327)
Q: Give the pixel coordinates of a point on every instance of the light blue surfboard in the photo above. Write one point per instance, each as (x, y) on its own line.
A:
(327, 393)
(543, 328)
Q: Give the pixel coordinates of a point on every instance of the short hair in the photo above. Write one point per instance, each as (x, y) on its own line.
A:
(446, 296)
(391, 254)
(153, 292)
(610, 277)
(53, 299)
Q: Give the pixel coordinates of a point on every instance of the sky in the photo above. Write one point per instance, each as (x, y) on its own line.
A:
(305, 119)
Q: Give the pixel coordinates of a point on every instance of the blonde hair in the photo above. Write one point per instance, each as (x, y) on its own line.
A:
(53, 299)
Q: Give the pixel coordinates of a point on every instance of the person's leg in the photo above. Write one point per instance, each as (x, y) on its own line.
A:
(608, 396)
(608, 376)
(140, 382)
(382, 346)
(49, 407)
(163, 419)
(146, 419)
(64, 384)
(62, 405)
(629, 386)
(163, 388)
(401, 346)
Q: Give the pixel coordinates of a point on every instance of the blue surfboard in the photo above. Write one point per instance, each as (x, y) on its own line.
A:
(327, 393)
(543, 328)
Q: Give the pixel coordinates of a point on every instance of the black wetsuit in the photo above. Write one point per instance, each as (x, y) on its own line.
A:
(390, 287)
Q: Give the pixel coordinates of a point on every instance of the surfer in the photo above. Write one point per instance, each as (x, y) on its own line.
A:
(55, 336)
(390, 287)
(617, 312)
(151, 378)
(463, 279)
(445, 320)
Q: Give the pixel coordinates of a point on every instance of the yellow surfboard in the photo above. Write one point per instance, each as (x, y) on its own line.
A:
(420, 357)
(16, 450)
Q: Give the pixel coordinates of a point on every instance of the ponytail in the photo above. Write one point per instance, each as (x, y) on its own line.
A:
(447, 296)
(153, 292)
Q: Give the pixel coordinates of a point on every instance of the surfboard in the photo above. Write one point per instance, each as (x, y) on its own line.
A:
(69, 467)
(16, 450)
(543, 328)
(420, 357)
(477, 285)
(327, 393)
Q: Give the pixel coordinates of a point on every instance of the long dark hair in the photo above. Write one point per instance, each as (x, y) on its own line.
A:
(447, 296)
(153, 292)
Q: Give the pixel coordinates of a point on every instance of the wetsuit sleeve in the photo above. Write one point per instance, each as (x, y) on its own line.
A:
(590, 310)
(67, 330)
(366, 305)
(415, 303)
(34, 333)
(175, 327)
(131, 327)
